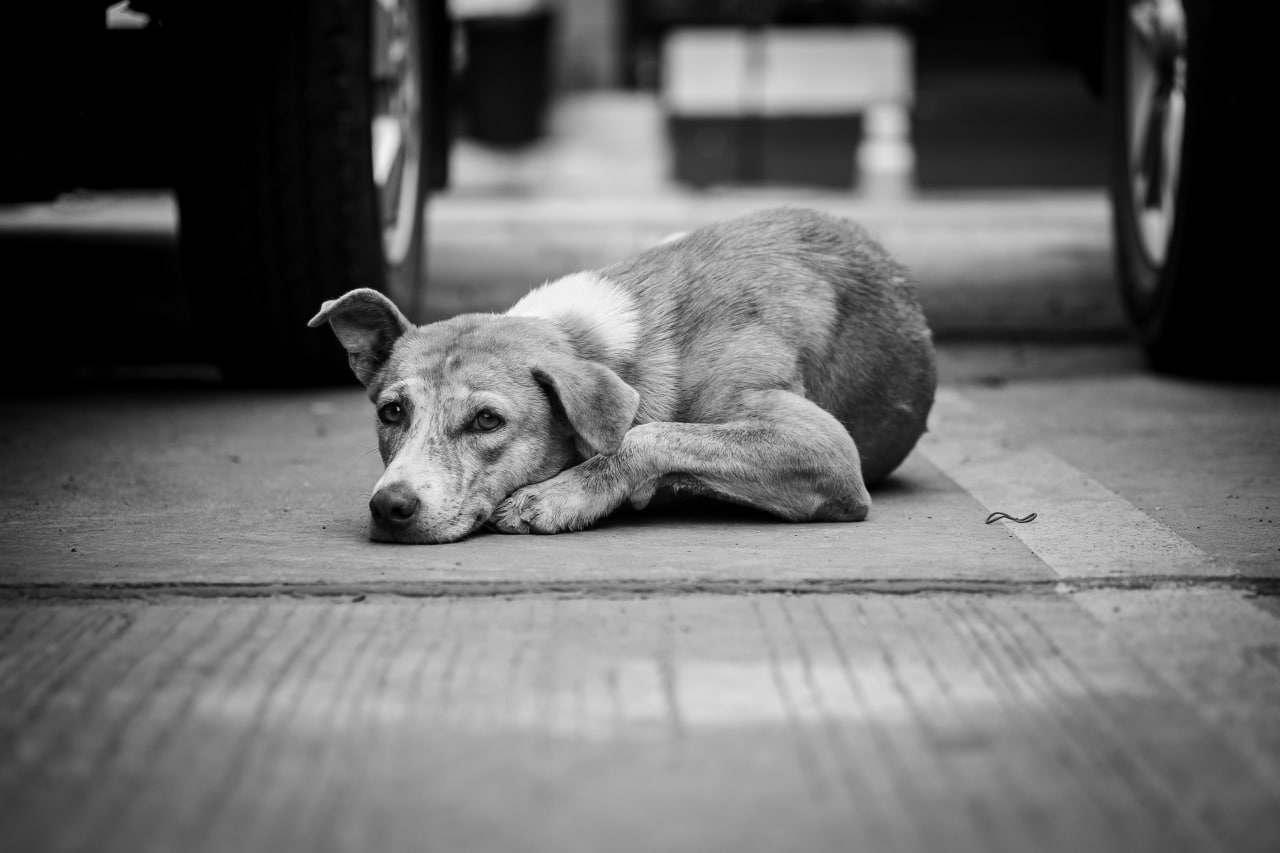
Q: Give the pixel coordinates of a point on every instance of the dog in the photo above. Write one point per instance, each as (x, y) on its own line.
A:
(779, 360)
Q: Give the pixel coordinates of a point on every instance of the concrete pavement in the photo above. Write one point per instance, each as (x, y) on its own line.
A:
(269, 488)
(199, 650)
(714, 722)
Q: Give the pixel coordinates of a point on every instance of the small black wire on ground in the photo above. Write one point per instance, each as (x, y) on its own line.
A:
(996, 516)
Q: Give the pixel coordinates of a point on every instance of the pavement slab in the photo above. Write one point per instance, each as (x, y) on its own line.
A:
(1201, 458)
(707, 722)
(271, 489)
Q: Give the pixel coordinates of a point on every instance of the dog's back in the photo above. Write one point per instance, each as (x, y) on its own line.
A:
(783, 298)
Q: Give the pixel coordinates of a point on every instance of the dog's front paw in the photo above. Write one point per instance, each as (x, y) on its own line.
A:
(554, 506)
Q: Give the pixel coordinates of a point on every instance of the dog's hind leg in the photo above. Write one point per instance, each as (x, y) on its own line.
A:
(779, 453)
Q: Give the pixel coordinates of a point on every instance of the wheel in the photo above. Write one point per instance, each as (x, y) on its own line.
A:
(1186, 163)
(304, 174)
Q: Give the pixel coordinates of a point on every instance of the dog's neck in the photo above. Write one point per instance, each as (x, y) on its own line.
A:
(598, 316)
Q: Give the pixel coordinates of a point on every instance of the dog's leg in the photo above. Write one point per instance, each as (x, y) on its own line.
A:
(780, 453)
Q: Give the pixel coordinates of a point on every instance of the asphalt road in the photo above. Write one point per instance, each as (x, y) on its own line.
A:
(200, 650)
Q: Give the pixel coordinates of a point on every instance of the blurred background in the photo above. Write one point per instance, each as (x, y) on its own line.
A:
(856, 95)
(183, 185)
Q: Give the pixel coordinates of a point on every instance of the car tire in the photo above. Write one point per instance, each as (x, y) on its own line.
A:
(278, 204)
(1187, 154)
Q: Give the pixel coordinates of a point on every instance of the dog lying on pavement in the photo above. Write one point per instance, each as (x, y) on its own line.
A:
(778, 360)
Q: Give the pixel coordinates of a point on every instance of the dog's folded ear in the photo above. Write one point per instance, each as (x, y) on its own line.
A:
(599, 406)
(368, 325)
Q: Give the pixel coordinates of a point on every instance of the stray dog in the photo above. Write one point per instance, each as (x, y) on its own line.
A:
(778, 360)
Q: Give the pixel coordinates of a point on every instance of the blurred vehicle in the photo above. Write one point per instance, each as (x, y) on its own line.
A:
(301, 137)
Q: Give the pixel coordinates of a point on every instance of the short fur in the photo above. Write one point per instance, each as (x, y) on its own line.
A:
(778, 360)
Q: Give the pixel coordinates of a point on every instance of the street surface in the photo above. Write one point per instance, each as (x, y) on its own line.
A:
(200, 650)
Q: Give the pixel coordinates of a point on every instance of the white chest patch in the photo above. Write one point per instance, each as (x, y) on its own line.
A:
(586, 304)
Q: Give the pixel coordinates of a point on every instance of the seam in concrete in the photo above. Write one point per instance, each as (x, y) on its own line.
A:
(626, 588)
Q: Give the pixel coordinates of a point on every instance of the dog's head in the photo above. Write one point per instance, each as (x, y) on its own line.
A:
(469, 410)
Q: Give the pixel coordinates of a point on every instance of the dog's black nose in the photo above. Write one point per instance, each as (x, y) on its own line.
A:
(394, 506)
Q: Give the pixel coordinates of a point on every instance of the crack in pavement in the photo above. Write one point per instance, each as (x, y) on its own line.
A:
(631, 588)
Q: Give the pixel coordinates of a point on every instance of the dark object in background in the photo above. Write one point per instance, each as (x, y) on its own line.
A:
(287, 206)
(281, 209)
(506, 81)
(813, 151)
(266, 124)
(1009, 128)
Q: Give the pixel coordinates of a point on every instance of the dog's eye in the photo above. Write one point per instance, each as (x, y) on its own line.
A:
(486, 421)
(391, 413)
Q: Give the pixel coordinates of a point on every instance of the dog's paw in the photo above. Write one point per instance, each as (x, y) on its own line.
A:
(506, 518)
(554, 506)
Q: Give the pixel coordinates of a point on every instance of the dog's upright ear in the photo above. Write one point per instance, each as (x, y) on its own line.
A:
(368, 325)
(599, 406)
